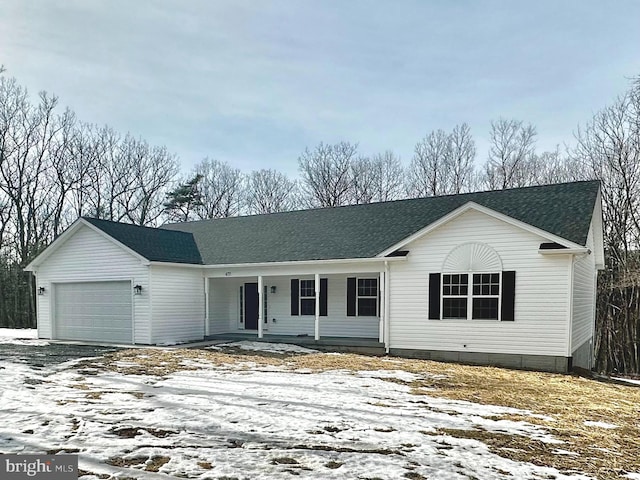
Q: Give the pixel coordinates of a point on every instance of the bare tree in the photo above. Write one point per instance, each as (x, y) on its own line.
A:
(389, 178)
(116, 178)
(220, 189)
(609, 147)
(512, 144)
(552, 167)
(326, 174)
(462, 154)
(376, 179)
(363, 181)
(427, 175)
(269, 191)
(152, 169)
(26, 135)
(427, 170)
(61, 176)
(53, 169)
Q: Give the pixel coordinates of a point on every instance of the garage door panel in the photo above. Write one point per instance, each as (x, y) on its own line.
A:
(94, 311)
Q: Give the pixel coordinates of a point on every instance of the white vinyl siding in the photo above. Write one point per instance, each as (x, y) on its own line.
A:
(584, 278)
(93, 311)
(541, 299)
(88, 256)
(224, 309)
(178, 304)
(223, 305)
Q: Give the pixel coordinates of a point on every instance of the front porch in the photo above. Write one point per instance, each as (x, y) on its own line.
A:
(341, 304)
(365, 346)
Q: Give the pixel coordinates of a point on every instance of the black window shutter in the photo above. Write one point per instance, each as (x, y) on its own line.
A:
(434, 296)
(295, 293)
(508, 296)
(351, 296)
(323, 297)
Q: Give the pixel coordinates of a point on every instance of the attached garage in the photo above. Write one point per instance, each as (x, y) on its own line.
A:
(93, 311)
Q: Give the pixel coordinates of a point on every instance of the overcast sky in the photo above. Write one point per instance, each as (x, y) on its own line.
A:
(255, 82)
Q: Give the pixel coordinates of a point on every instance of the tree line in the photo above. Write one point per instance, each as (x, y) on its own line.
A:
(55, 168)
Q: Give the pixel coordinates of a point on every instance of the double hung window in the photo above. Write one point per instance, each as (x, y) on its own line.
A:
(473, 296)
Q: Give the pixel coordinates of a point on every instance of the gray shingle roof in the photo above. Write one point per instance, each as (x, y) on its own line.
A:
(154, 244)
(363, 231)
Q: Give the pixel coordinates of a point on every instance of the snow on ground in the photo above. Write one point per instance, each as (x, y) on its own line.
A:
(217, 422)
(264, 347)
(590, 423)
(397, 374)
(21, 336)
(632, 381)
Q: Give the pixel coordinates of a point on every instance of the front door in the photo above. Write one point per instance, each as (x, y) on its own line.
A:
(250, 306)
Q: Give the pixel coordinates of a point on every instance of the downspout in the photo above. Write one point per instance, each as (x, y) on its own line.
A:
(260, 307)
(594, 312)
(570, 319)
(150, 308)
(206, 305)
(387, 307)
(34, 272)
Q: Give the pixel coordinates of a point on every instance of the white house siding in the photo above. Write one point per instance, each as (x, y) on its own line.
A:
(178, 304)
(541, 299)
(222, 306)
(87, 256)
(584, 278)
(225, 300)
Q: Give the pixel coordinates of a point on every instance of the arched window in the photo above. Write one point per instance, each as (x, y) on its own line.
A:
(472, 286)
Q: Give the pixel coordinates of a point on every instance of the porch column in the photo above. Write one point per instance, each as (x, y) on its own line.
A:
(387, 306)
(381, 295)
(317, 324)
(260, 305)
(206, 306)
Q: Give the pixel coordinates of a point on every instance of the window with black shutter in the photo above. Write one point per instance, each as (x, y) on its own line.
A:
(472, 296)
(303, 297)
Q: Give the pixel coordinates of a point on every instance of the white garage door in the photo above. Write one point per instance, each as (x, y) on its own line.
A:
(93, 311)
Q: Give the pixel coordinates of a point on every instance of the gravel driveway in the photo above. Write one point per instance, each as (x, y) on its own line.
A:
(46, 355)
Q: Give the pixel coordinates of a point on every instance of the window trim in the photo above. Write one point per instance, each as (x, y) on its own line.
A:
(470, 296)
(377, 296)
(302, 297)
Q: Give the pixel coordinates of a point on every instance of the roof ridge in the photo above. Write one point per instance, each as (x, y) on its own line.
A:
(113, 222)
(170, 226)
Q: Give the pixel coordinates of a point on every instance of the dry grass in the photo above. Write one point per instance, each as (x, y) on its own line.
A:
(569, 400)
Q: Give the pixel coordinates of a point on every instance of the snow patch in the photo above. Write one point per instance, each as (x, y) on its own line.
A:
(590, 423)
(254, 424)
(565, 452)
(397, 374)
(631, 381)
(264, 347)
(21, 336)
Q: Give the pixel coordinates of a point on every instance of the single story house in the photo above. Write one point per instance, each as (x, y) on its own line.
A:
(501, 277)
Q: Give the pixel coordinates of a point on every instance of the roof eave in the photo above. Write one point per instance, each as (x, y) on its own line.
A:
(329, 261)
(564, 251)
(53, 246)
(488, 211)
(68, 233)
